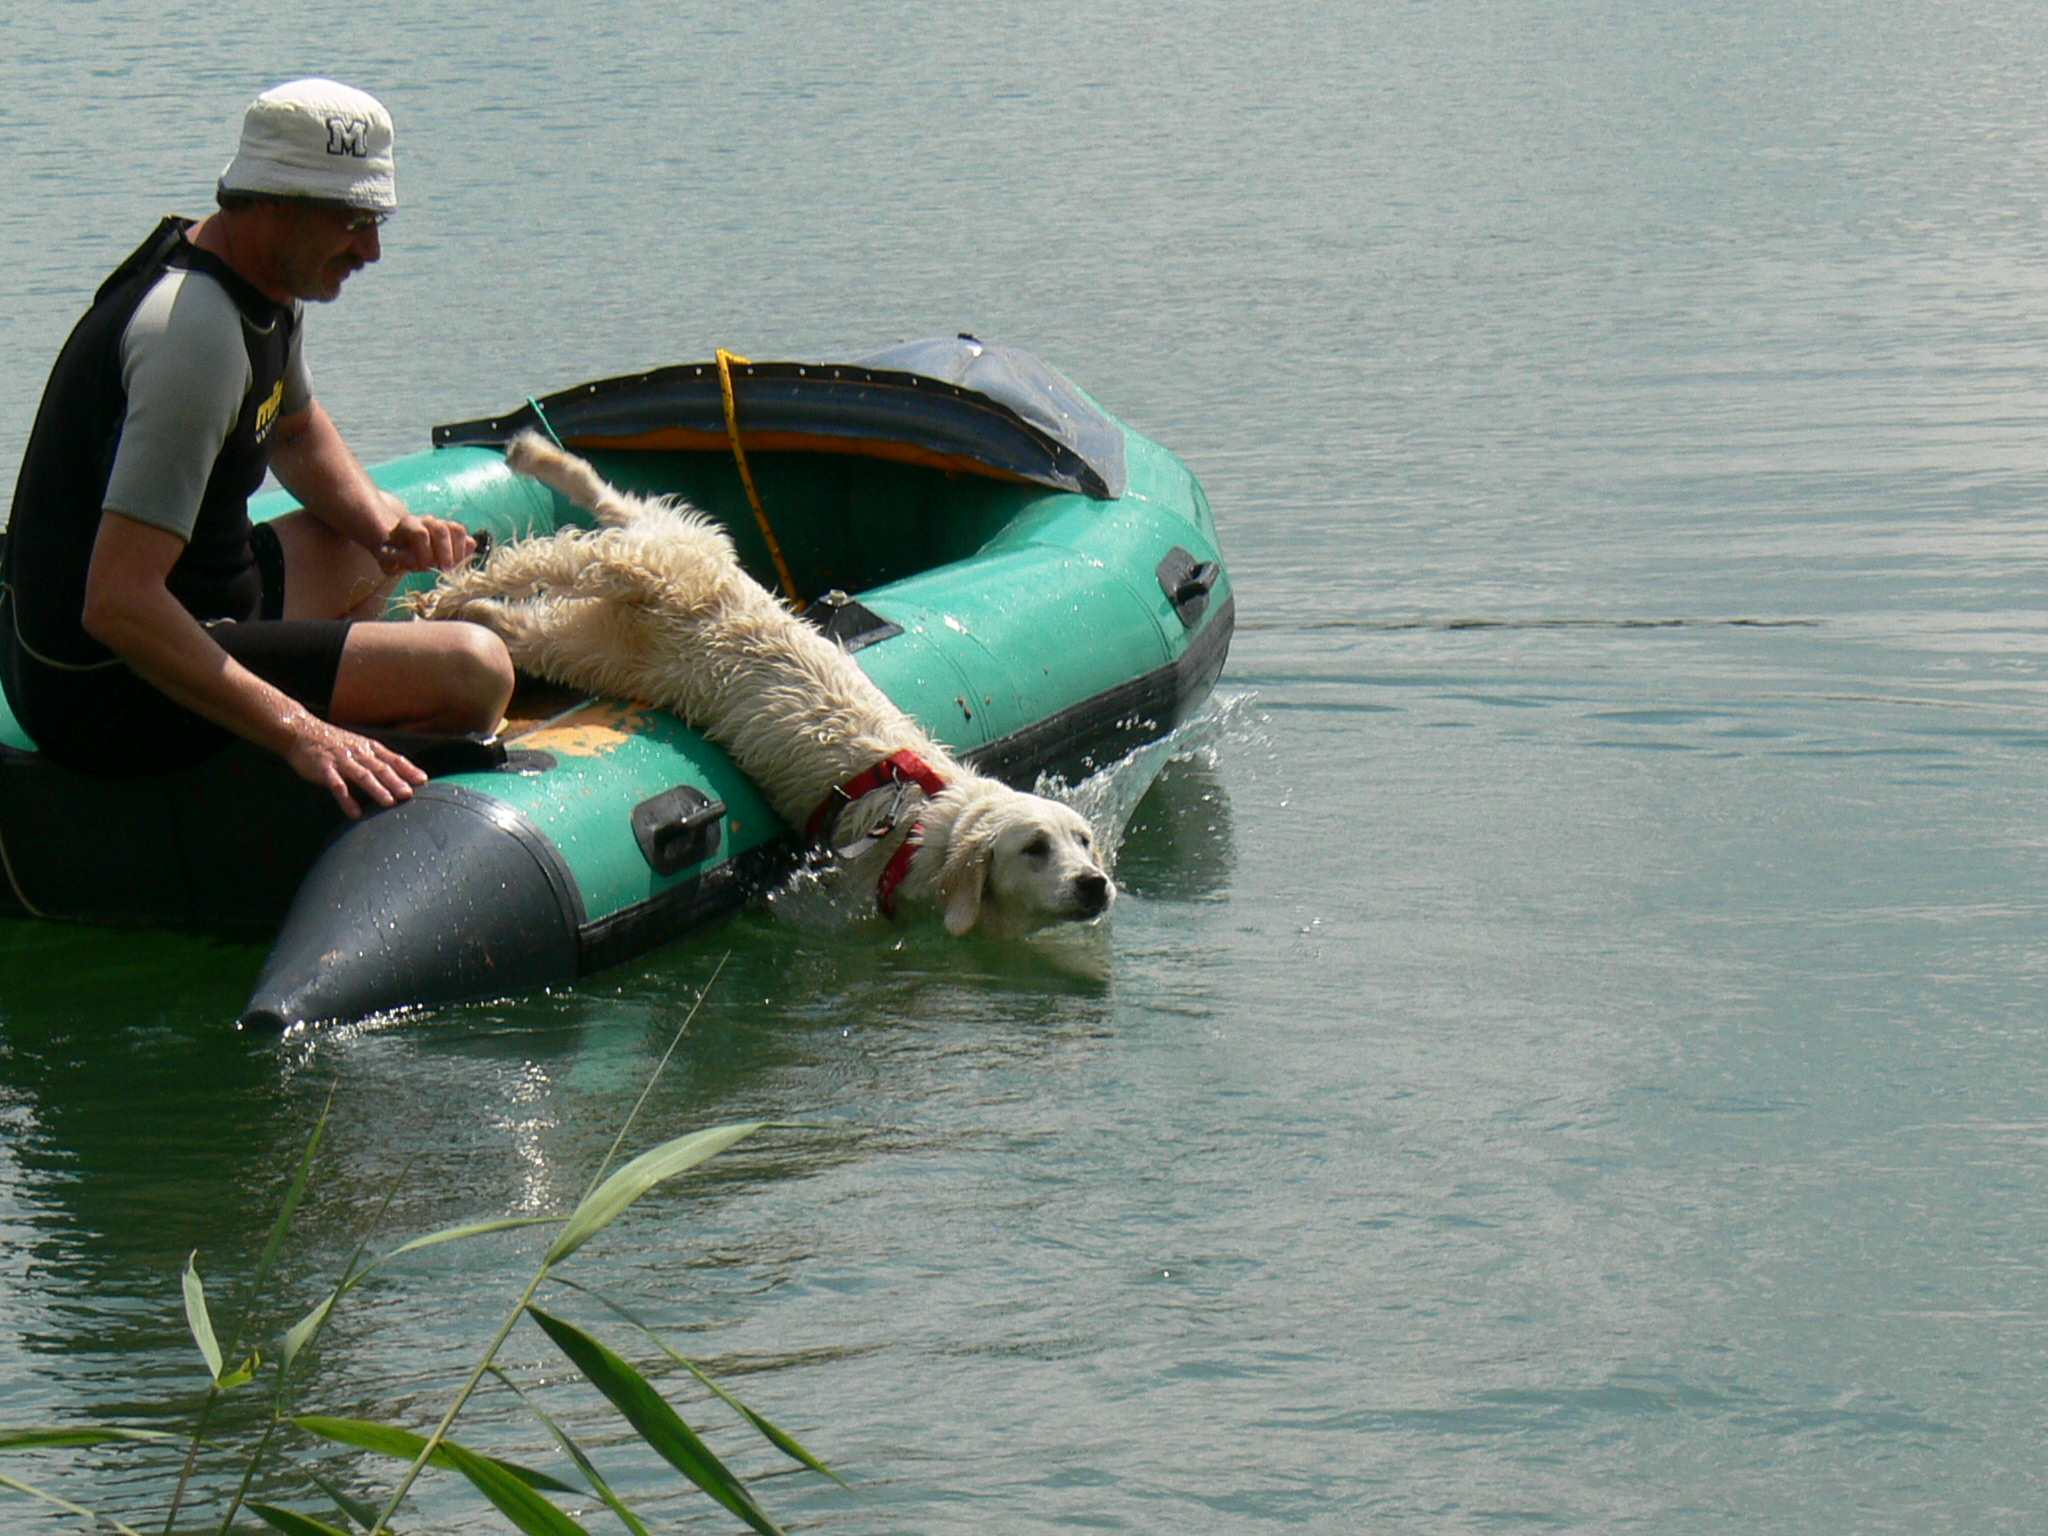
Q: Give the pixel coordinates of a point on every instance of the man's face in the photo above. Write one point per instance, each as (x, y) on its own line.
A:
(318, 248)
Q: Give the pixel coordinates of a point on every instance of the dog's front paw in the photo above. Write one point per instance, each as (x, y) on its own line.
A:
(450, 600)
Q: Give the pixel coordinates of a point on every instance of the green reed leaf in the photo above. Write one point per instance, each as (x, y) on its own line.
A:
(510, 1487)
(576, 1454)
(654, 1420)
(404, 1445)
(781, 1439)
(776, 1436)
(609, 1200)
(469, 1229)
(515, 1499)
(292, 1523)
(304, 1329)
(355, 1509)
(293, 1194)
(196, 1317)
(18, 1437)
(244, 1372)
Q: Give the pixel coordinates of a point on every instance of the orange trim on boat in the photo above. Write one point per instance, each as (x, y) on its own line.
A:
(685, 440)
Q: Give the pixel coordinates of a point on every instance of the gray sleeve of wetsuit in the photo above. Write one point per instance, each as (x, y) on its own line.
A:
(187, 372)
(298, 383)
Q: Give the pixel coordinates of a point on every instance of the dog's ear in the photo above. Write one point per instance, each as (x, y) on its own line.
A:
(960, 892)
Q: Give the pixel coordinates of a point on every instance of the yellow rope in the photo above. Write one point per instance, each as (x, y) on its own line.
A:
(732, 429)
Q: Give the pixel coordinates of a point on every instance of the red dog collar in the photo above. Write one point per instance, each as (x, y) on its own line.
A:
(897, 768)
(898, 868)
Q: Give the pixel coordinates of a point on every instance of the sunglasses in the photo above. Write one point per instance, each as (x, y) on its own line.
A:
(354, 220)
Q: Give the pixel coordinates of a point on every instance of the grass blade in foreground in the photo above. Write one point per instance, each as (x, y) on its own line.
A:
(595, 1218)
(303, 1331)
(389, 1440)
(21, 1437)
(313, 1321)
(657, 1423)
(467, 1229)
(64, 1504)
(576, 1454)
(196, 1317)
(603, 1205)
(512, 1488)
(195, 1313)
(768, 1430)
(515, 1500)
(356, 1510)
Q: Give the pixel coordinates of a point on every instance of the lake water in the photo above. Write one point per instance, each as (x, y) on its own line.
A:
(1573, 1053)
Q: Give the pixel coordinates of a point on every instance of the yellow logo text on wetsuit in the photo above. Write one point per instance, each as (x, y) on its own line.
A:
(266, 413)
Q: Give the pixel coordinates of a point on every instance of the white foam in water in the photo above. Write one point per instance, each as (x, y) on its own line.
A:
(812, 898)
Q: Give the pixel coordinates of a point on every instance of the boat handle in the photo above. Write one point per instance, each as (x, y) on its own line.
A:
(1197, 582)
(677, 828)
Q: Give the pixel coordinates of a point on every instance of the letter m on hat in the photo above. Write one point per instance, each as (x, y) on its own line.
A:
(348, 136)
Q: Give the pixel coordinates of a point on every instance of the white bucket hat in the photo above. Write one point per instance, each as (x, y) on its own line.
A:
(317, 139)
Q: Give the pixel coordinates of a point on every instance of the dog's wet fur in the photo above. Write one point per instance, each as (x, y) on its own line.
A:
(654, 606)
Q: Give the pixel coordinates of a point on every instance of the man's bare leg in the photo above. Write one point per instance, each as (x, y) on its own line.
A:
(327, 576)
(439, 675)
(442, 676)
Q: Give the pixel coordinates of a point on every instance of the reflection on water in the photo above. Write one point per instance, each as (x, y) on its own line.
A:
(1180, 844)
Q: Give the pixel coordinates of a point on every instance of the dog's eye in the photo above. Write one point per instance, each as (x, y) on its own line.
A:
(1084, 839)
(1039, 847)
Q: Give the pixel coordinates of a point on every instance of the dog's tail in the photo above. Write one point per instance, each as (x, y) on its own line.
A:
(533, 455)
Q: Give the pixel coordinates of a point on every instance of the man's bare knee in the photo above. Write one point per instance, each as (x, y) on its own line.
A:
(428, 674)
(476, 671)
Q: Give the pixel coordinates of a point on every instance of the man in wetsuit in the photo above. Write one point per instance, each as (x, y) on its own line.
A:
(146, 618)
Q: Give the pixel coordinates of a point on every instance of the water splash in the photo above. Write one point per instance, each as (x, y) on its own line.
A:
(812, 898)
(1110, 796)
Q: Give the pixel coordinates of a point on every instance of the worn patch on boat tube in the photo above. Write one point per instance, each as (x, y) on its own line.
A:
(591, 731)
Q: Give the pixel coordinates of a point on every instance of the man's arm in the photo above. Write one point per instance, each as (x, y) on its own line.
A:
(315, 465)
(130, 610)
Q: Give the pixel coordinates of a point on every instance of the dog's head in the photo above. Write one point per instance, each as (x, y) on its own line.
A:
(1014, 862)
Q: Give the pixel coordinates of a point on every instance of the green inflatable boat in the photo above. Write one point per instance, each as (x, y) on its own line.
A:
(1038, 585)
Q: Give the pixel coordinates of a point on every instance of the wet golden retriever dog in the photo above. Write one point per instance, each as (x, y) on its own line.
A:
(653, 606)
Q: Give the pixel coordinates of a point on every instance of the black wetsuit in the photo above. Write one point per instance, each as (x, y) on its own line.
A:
(82, 704)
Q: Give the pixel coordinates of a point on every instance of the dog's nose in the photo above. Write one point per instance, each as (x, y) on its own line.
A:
(1091, 892)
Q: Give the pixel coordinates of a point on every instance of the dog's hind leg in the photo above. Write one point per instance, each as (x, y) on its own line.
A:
(599, 646)
(535, 457)
(529, 629)
(576, 642)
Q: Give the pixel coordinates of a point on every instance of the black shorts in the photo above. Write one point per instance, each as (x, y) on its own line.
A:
(107, 720)
(301, 657)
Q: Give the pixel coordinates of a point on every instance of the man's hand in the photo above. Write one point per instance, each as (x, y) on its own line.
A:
(129, 609)
(343, 763)
(422, 544)
(314, 464)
